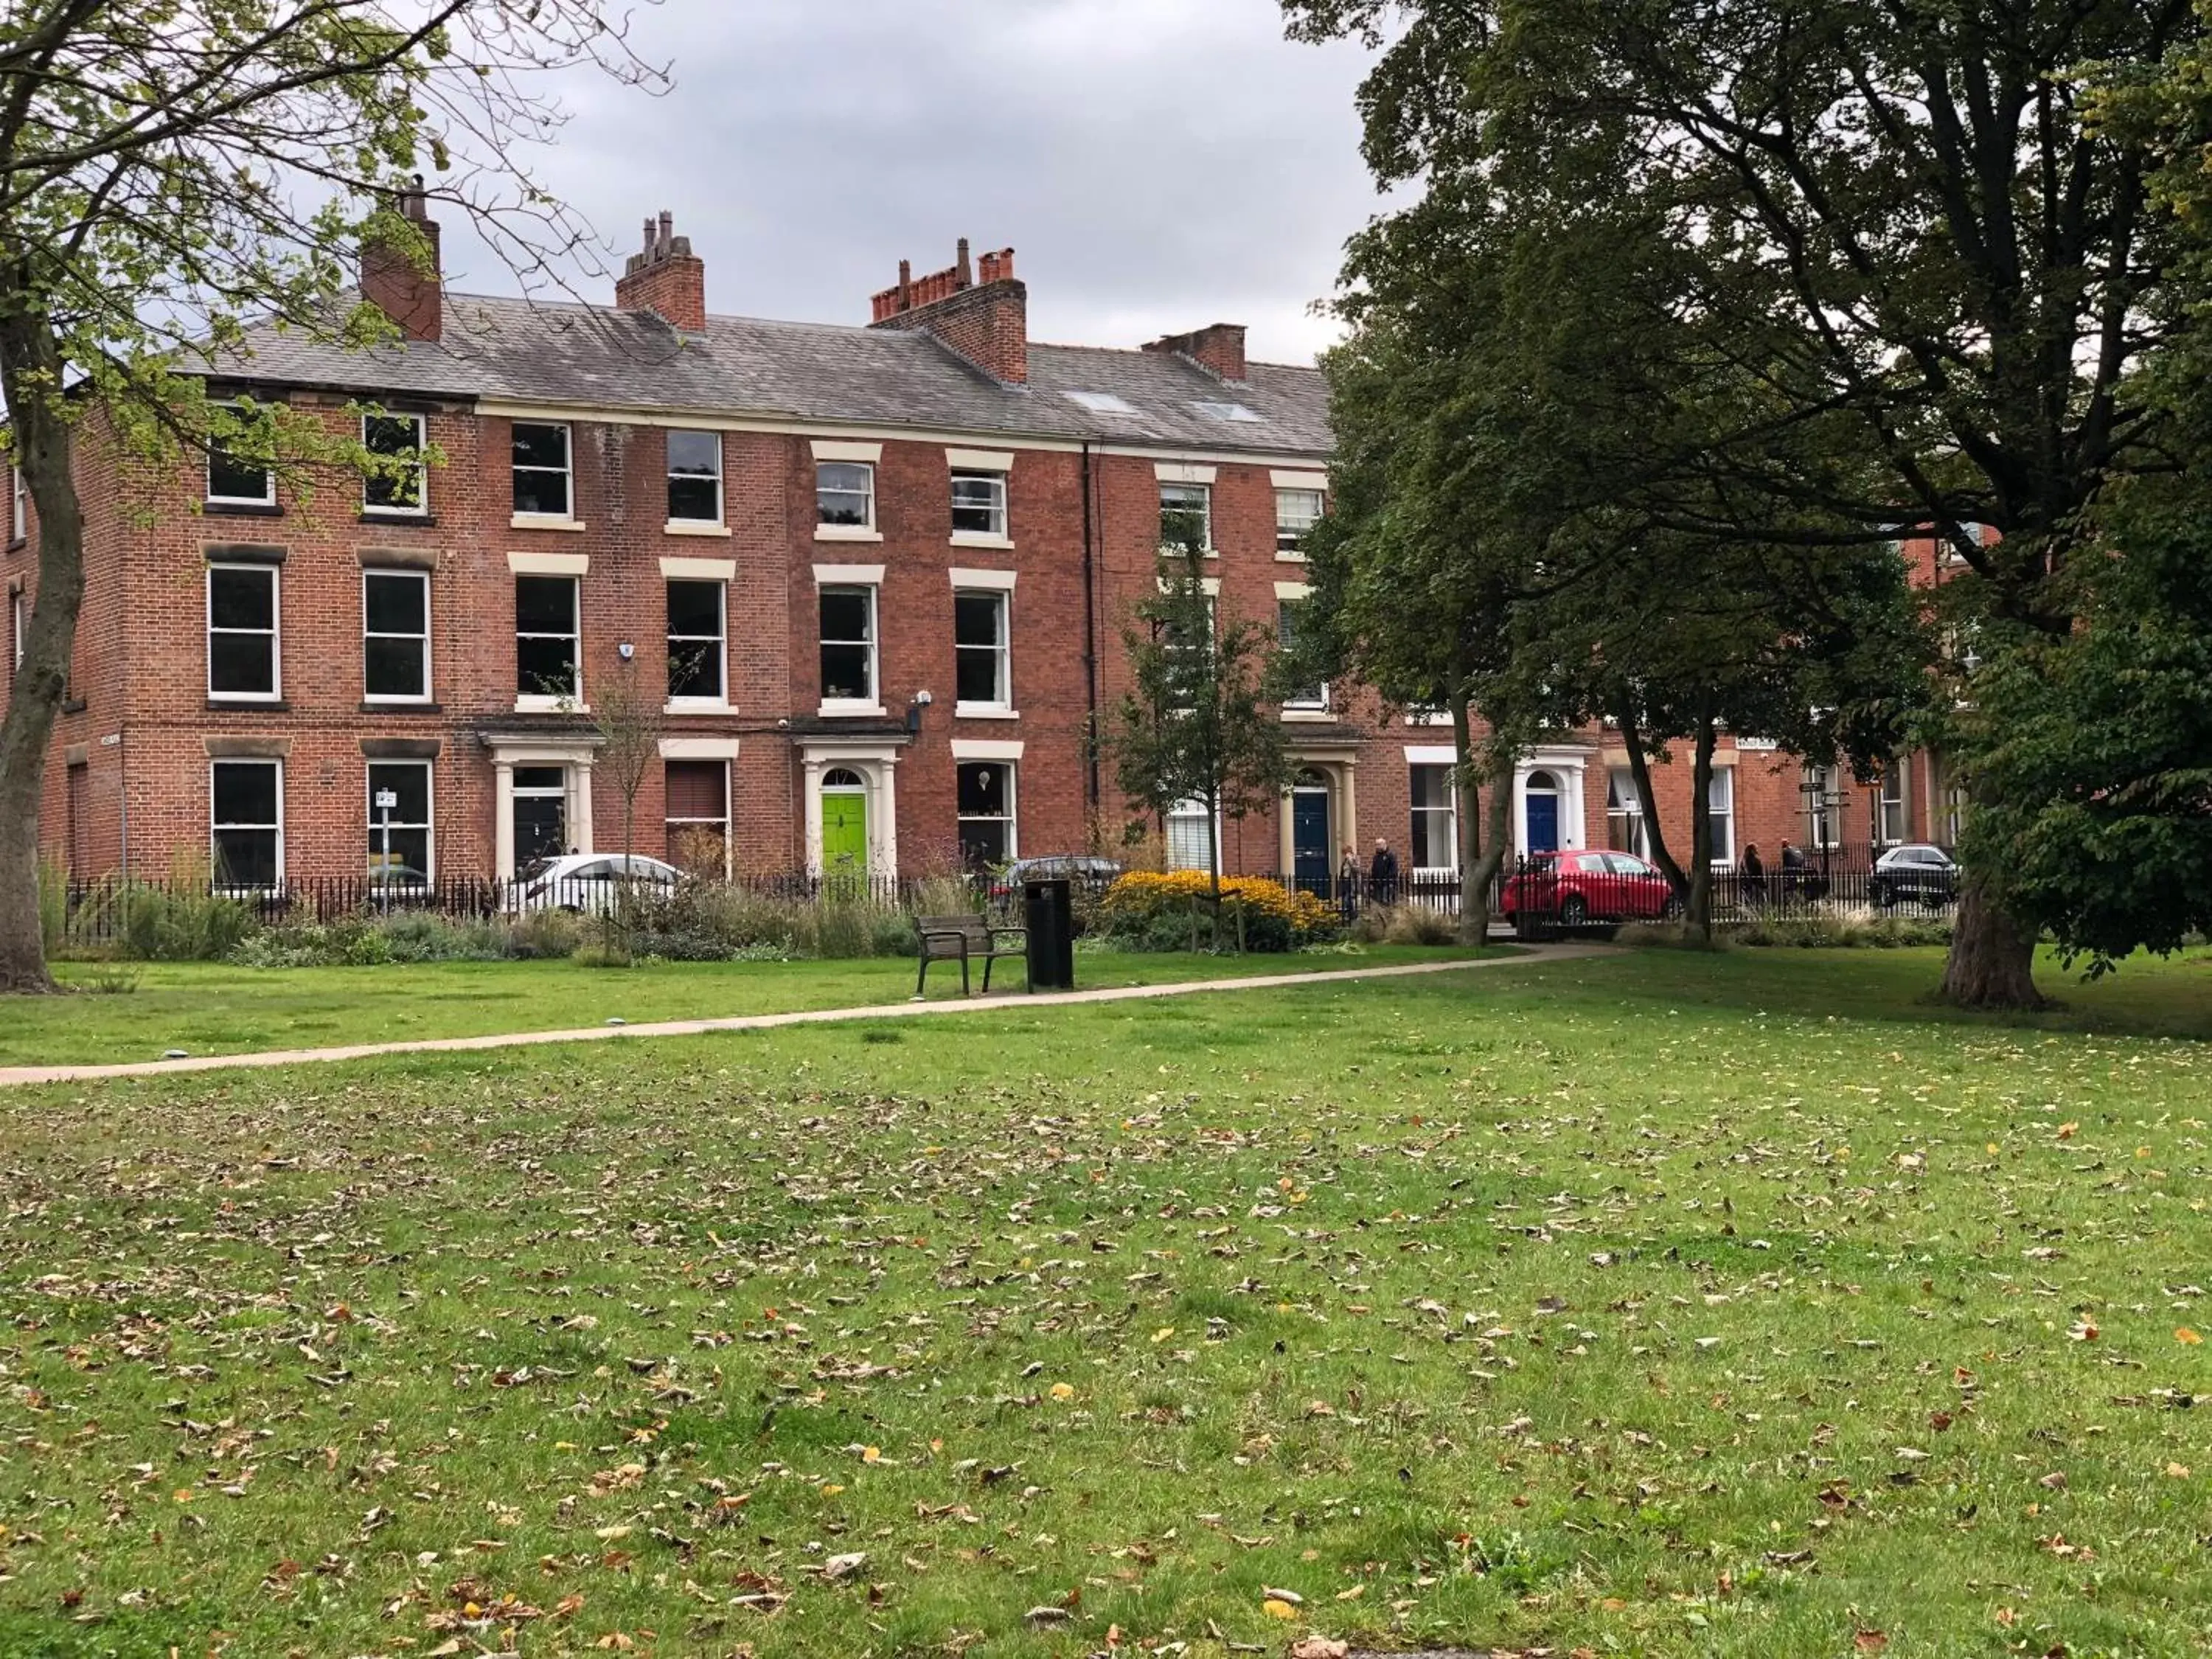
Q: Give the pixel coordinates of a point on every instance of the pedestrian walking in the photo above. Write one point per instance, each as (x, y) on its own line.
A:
(1382, 873)
(1753, 872)
(1347, 884)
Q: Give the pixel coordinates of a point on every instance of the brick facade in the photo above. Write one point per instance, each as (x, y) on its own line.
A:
(130, 777)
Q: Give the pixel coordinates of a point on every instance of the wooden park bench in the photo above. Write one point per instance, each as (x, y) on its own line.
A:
(965, 940)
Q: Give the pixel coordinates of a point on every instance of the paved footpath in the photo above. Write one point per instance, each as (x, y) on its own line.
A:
(20, 1074)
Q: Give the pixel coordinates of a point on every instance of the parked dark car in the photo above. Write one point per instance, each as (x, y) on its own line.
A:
(1090, 874)
(1584, 887)
(1916, 874)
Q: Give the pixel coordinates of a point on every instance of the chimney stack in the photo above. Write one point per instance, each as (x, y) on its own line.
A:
(665, 278)
(987, 322)
(1219, 349)
(394, 278)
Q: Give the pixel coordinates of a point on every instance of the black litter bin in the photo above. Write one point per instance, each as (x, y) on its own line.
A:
(1048, 912)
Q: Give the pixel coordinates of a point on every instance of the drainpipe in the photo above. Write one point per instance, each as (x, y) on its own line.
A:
(1089, 631)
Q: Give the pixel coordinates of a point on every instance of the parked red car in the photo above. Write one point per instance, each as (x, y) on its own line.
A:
(1582, 887)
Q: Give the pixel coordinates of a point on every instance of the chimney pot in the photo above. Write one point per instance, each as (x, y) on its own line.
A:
(394, 282)
(667, 277)
(988, 327)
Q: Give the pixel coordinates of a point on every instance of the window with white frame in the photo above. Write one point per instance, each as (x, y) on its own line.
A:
(400, 485)
(979, 504)
(1187, 843)
(547, 637)
(19, 525)
(542, 481)
(986, 806)
(1435, 844)
(236, 480)
(1189, 661)
(1624, 813)
(697, 642)
(247, 814)
(399, 839)
(395, 626)
(1286, 634)
(1896, 827)
(698, 815)
(982, 671)
(848, 645)
(242, 641)
(1187, 516)
(1297, 512)
(845, 495)
(695, 478)
(1720, 797)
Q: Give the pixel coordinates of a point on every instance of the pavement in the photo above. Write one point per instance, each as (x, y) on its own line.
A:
(17, 1075)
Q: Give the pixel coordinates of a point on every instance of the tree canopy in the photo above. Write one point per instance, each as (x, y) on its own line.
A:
(1931, 266)
(170, 169)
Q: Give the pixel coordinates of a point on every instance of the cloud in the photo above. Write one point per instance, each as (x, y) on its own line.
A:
(1157, 164)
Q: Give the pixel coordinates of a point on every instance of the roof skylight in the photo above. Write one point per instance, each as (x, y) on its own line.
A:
(1101, 403)
(1226, 412)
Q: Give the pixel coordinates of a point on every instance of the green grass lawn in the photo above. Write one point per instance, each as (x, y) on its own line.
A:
(209, 1008)
(1662, 1305)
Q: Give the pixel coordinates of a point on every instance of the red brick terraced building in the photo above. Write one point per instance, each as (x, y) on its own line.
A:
(876, 576)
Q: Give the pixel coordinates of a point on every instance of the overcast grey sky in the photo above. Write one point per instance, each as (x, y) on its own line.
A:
(1156, 164)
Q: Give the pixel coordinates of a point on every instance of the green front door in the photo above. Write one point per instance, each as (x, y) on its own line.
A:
(844, 833)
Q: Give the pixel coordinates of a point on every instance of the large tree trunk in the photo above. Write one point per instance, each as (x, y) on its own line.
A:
(31, 375)
(1992, 960)
(1693, 887)
(1698, 920)
(1482, 842)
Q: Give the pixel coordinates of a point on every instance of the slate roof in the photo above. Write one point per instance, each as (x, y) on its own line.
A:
(592, 356)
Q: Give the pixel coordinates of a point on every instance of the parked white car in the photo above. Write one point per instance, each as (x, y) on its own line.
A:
(587, 883)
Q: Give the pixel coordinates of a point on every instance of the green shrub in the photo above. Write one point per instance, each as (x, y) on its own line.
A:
(600, 955)
(179, 923)
(541, 935)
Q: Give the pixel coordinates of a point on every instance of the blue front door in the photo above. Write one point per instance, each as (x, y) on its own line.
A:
(1309, 838)
(1543, 822)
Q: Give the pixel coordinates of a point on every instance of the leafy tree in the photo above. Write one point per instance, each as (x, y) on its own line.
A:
(1196, 723)
(1894, 213)
(1524, 516)
(168, 170)
(1425, 552)
(2099, 745)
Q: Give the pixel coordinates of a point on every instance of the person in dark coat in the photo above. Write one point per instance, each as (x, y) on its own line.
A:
(1754, 870)
(1793, 870)
(1382, 873)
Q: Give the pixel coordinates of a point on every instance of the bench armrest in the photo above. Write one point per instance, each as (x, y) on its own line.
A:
(997, 934)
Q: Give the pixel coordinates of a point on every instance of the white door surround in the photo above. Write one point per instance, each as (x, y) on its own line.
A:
(876, 761)
(1565, 764)
(573, 753)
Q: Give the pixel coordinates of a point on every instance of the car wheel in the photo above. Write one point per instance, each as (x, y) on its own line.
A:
(1574, 910)
(1879, 893)
(1672, 909)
